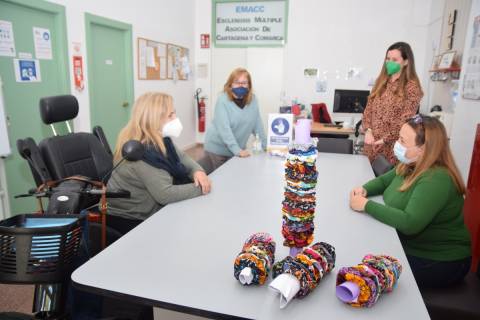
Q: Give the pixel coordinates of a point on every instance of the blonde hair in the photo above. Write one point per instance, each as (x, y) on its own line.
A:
(227, 88)
(407, 74)
(146, 121)
(431, 134)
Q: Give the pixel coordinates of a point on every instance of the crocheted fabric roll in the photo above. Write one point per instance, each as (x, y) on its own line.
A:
(375, 275)
(258, 253)
(298, 206)
(309, 266)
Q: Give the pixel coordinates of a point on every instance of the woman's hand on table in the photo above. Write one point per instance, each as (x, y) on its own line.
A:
(357, 201)
(359, 191)
(202, 180)
(244, 153)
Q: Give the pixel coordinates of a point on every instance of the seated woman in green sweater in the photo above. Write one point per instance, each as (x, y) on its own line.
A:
(164, 175)
(423, 199)
(237, 116)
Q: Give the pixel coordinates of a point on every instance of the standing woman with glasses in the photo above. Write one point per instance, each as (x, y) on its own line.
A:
(423, 199)
(236, 117)
(394, 99)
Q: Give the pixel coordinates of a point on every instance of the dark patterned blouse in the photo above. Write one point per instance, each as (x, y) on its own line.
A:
(386, 114)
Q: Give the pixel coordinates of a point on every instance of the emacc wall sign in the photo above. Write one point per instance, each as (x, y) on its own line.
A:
(250, 23)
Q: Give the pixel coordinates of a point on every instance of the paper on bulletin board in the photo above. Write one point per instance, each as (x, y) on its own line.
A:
(150, 56)
(280, 129)
(27, 70)
(7, 42)
(42, 39)
(178, 66)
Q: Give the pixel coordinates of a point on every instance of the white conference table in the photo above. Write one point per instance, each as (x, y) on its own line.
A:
(181, 258)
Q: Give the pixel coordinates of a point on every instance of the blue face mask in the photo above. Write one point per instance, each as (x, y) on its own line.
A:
(400, 152)
(240, 92)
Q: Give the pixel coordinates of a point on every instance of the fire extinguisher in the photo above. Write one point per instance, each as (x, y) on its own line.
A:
(201, 112)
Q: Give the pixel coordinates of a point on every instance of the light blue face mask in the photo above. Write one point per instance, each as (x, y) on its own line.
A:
(400, 152)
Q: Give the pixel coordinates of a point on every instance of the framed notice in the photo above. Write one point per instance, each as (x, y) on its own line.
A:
(152, 57)
(249, 23)
(447, 60)
(178, 64)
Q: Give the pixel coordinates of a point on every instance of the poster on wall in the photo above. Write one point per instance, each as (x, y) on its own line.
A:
(250, 23)
(7, 42)
(27, 70)
(43, 43)
(471, 79)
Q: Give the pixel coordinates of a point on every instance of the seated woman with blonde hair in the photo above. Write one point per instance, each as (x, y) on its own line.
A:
(164, 175)
(423, 199)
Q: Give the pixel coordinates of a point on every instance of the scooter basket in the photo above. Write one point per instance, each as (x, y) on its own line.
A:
(39, 248)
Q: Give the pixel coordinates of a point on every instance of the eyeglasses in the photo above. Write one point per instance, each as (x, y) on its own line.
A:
(241, 83)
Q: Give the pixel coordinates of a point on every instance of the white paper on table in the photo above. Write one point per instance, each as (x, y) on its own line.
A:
(7, 42)
(287, 286)
(43, 43)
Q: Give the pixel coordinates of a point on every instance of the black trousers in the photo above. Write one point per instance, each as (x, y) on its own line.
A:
(122, 225)
(436, 274)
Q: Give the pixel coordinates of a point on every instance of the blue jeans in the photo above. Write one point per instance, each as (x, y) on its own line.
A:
(435, 274)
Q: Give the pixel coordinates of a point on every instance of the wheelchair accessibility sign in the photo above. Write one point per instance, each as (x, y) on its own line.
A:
(279, 132)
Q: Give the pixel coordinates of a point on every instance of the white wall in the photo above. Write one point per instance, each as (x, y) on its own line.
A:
(443, 92)
(328, 35)
(467, 112)
(161, 20)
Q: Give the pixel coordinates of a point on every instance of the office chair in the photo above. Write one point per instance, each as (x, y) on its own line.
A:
(381, 165)
(334, 145)
(462, 301)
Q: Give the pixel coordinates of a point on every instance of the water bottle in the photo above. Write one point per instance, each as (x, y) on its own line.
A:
(257, 145)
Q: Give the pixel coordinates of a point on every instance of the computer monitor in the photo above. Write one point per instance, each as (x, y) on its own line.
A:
(350, 101)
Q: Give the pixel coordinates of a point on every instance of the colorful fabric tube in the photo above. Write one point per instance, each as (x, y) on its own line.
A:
(298, 206)
(309, 266)
(375, 275)
(258, 253)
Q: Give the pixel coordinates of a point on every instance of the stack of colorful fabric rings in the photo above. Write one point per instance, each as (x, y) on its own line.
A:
(362, 285)
(309, 266)
(299, 203)
(253, 264)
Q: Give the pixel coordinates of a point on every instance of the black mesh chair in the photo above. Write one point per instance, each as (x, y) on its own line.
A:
(334, 145)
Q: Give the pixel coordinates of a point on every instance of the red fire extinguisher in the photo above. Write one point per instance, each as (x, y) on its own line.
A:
(200, 110)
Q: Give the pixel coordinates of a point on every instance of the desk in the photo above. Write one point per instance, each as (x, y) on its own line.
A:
(318, 127)
(200, 238)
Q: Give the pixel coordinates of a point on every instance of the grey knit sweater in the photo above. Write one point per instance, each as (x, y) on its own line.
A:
(150, 188)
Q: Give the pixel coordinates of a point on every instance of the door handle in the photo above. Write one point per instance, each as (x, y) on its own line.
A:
(125, 104)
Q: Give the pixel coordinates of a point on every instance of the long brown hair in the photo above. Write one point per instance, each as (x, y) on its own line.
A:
(407, 74)
(149, 110)
(235, 75)
(431, 134)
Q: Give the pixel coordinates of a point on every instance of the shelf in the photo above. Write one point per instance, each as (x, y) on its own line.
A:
(453, 69)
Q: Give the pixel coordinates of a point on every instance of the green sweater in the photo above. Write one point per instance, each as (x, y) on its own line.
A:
(429, 215)
(150, 188)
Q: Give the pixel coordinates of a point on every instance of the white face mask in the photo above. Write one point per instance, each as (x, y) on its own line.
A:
(172, 128)
(401, 153)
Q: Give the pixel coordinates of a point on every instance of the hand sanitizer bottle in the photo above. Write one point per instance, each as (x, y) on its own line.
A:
(257, 145)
